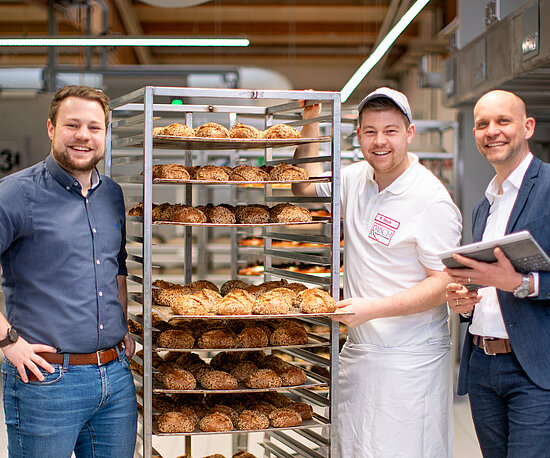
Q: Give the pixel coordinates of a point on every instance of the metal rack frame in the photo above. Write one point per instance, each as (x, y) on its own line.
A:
(137, 110)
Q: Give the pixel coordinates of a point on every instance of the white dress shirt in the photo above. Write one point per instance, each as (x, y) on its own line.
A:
(487, 320)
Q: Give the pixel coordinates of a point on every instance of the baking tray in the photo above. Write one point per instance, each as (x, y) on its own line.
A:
(198, 143)
(166, 313)
(317, 421)
(242, 183)
(241, 389)
(316, 219)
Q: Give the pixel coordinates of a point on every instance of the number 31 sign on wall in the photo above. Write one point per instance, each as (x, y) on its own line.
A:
(10, 158)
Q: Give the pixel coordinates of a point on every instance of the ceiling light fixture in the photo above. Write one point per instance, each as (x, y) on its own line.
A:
(382, 48)
(122, 41)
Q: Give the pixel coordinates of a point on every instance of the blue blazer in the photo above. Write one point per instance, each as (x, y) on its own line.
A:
(527, 320)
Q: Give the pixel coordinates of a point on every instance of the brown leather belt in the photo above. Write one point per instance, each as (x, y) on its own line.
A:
(493, 345)
(99, 358)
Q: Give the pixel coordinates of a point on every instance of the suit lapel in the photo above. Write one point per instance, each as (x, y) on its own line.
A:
(523, 193)
(480, 220)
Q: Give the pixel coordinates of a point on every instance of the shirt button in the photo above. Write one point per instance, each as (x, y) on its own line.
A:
(86, 200)
(94, 230)
(76, 183)
(68, 188)
(100, 293)
(100, 326)
(97, 261)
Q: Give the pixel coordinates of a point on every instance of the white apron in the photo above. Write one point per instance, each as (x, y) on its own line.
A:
(395, 402)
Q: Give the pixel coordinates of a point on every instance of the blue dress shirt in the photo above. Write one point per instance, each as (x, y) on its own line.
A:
(60, 255)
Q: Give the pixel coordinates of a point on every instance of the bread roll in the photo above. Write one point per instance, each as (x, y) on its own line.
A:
(176, 422)
(240, 130)
(216, 421)
(218, 380)
(174, 338)
(251, 420)
(285, 418)
(170, 172)
(248, 173)
(316, 300)
(217, 338)
(212, 130)
(289, 213)
(178, 130)
(178, 379)
(232, 284)
(287, 172)
(211, 173)
(281, 131)
(263, 378)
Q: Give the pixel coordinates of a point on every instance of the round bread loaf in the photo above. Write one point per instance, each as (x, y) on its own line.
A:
(289, 213)
(175, 422)
(252, 337)
(231, 413)
(178, 379)
(252, 214)
(240, 130)
(169, 296)
(287, 172)
(158, 131)
(281, 131)
(292, 376)
(216, 421)
(174, 338)
(170, 172)
(217, 338)
(189, 304)
(186, 214)
(211, 173)
(274, 362)
(218, 380)
(210, 299)
(285, 418)
(231, 306)
(248, 173)
(136, 210)
(305, 410)
(220, 215)
(178, 130)
(212, 130)
(162, 212)
(243, 369)
(271, 304)
(288, 335)
(199, 285)
(263, 378)
(243, 454)
(251, 419)
(225, 361)
(232, 284)
(316, 300)
(263, 406)
(279, 400)
(163, 403)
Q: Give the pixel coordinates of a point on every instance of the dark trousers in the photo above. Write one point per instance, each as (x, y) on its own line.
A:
(511, 414)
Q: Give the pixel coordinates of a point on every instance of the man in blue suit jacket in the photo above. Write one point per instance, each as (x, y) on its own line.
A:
(505, 364)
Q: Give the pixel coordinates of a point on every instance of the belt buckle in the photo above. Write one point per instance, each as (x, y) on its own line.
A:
(484, 340)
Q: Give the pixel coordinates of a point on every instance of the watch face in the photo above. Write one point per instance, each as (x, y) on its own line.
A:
(12, 334)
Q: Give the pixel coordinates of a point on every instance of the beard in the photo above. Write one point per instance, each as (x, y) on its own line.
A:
(64, 159)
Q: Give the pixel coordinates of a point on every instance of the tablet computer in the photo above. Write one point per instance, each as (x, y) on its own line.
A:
(520, 248)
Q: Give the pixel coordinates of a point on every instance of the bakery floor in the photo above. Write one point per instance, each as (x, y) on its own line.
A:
(465, 442)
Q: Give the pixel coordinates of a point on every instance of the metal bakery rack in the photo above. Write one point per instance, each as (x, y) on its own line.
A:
(130, 155)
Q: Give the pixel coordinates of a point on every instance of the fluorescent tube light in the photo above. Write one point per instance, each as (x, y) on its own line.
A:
(382, 48)
(122, 41)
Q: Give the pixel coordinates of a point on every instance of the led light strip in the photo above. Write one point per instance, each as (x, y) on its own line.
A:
(122, 41)
(381, 49)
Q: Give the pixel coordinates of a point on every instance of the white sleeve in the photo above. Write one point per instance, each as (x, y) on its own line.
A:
(439, 229)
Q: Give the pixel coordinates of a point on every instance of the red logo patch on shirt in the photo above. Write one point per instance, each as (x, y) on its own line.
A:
(383, 229)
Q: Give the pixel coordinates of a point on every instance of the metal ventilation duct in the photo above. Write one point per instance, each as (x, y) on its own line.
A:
(512, 54)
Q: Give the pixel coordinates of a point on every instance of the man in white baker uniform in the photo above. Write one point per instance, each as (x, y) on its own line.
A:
(395, 367)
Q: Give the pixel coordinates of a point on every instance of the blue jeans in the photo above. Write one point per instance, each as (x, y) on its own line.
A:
(87, 409)
(511, 414)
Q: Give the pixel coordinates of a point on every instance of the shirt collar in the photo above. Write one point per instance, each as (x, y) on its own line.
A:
(513, 180)
(65, 179)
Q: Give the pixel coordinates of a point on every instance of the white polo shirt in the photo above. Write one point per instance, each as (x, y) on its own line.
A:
(390, 236)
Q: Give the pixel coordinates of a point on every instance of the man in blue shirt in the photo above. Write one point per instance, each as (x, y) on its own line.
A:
(67, 381)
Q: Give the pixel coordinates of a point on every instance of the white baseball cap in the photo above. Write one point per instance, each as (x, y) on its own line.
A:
(396, 97)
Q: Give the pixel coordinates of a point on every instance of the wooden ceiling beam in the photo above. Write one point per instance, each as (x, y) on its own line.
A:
(132, 25)
(260, 13)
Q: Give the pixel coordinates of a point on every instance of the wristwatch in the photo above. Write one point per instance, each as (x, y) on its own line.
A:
(522, 291)
(11, 337)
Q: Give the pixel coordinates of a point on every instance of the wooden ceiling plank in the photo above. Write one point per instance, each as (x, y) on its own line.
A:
(133, 27)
